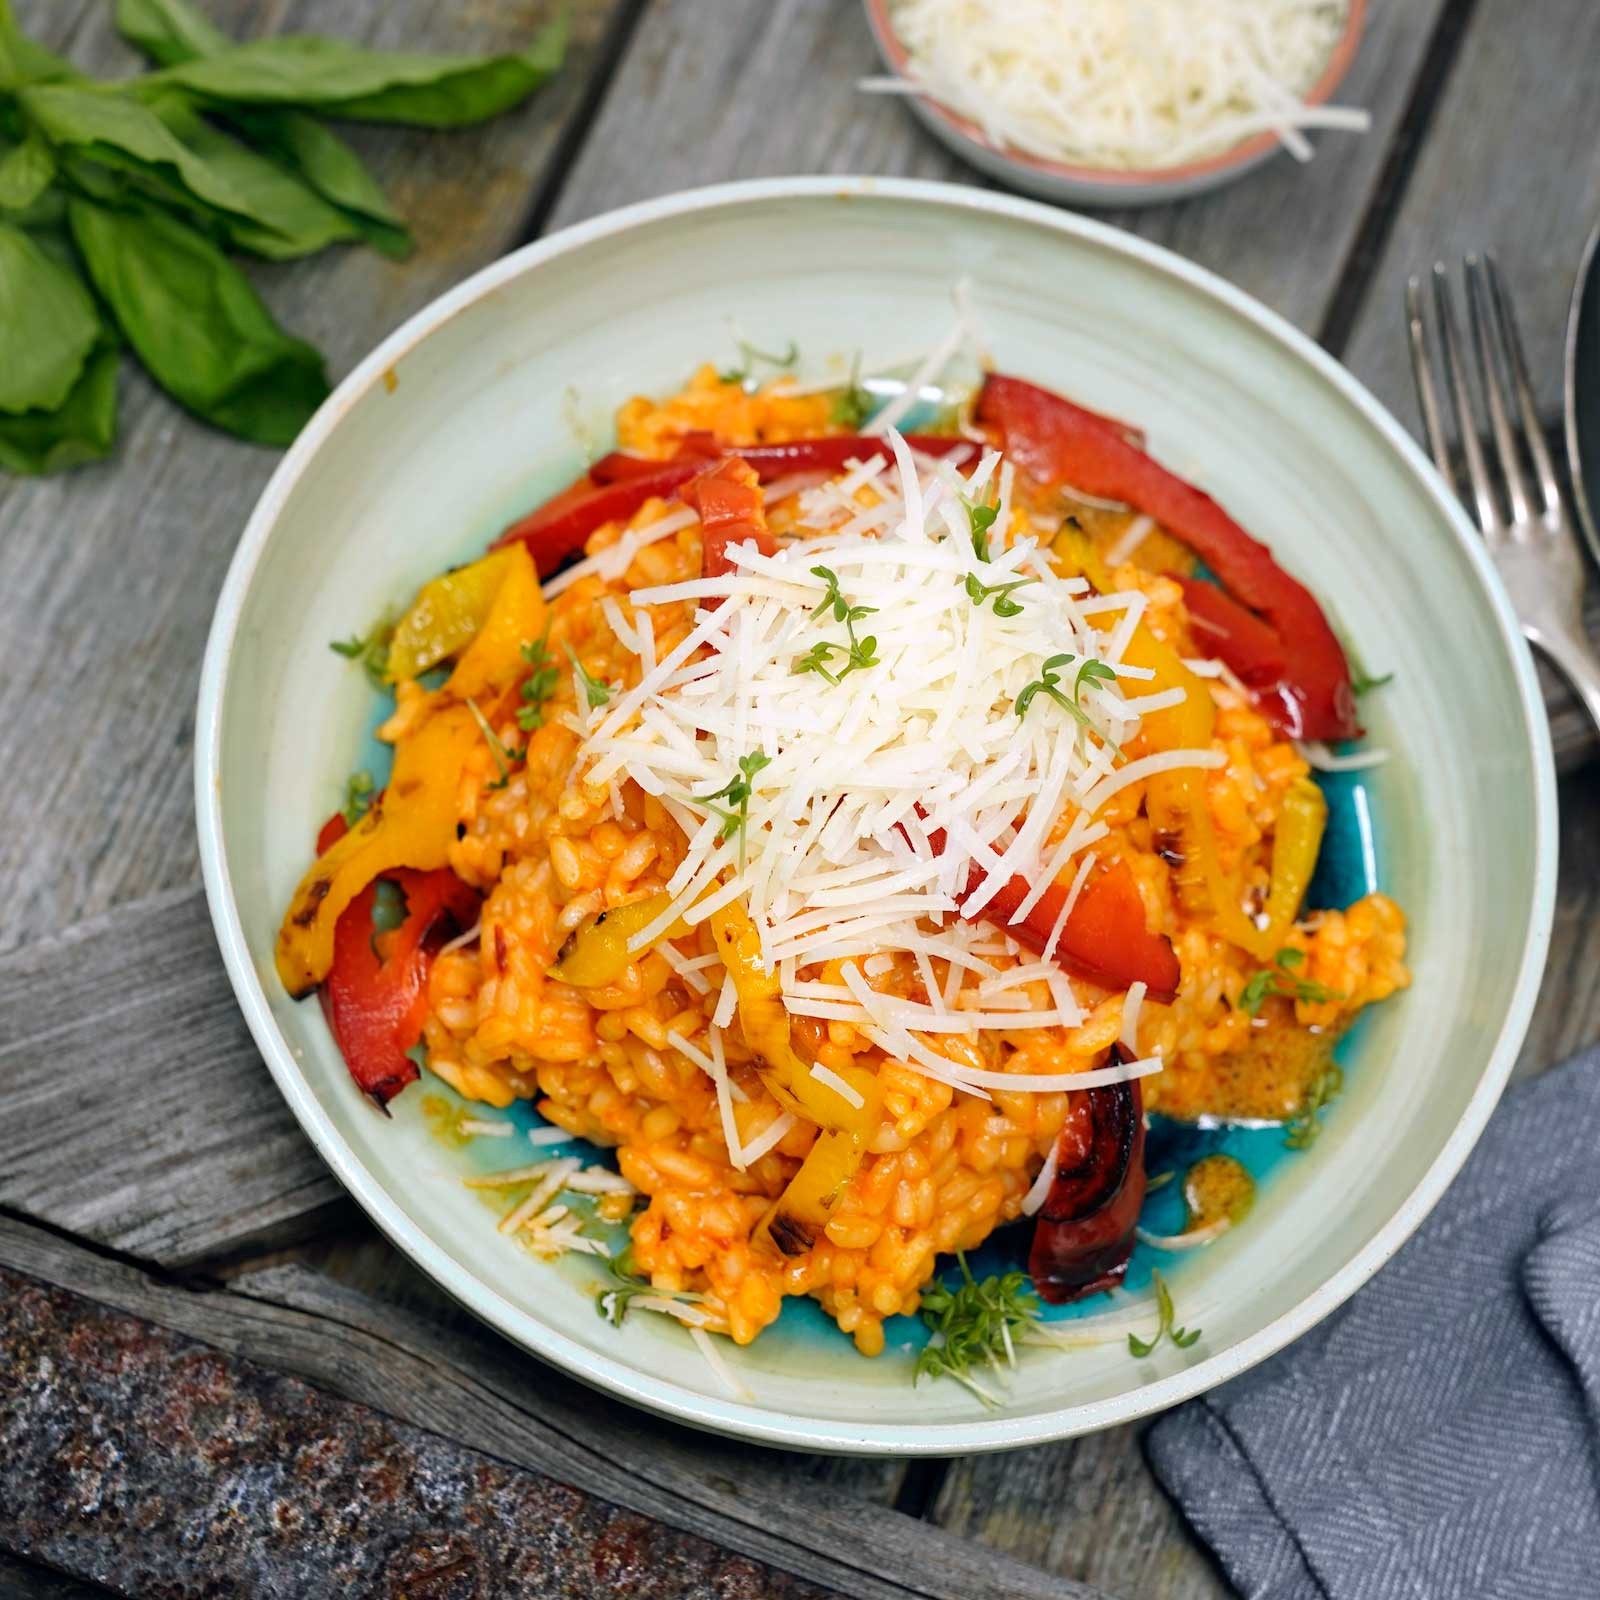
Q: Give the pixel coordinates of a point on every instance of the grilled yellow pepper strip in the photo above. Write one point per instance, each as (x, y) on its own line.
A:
(1296, 843)
(415, 821)
(447, 615)
(802, 1210)
(411, 826)
(596, 954)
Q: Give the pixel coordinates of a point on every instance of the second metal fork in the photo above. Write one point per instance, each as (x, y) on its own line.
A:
(1532, 539)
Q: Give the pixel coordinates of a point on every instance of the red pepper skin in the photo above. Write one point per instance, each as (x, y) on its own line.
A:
(376, 993)
(1085, 1230)
(1105, 938)
(772, 461)
(727, 499)
(561, 527)
(1056, 442)
(1236, 636)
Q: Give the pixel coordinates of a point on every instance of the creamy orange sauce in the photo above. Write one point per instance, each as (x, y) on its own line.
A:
(1217, 1188)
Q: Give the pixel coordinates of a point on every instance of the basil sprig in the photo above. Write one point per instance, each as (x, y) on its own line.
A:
(122, 202)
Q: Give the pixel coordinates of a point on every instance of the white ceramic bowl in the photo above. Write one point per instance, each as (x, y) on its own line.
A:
(467, 415)
(1067, 184)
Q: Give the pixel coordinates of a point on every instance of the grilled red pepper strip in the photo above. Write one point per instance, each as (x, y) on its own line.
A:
(375, 996)
(1105, 938)
(560, 527)
(771, 461)
(1084, 1234)
(727, 499)
(1058, 443)
(1224, 628)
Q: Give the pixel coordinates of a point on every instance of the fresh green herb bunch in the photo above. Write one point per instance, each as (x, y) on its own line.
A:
(1182, 1337)
(121, 204)
(1301, 1131)
(1280, 979)
(975, 1325)
(595, 693)
(858, 654)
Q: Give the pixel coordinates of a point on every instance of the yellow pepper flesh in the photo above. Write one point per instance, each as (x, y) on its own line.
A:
(446, 616)
(1296, 843)
(596, 954)
(411, 826)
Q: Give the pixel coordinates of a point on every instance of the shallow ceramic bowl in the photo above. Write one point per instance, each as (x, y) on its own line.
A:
(1069, 185)
(474, 411)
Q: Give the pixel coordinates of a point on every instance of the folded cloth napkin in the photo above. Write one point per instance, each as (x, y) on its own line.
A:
(1439, 1436)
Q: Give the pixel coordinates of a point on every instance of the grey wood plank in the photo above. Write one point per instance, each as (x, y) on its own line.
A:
(1088, 1508)
(362, 1260)
(136, 1109)
(1509, 164)
(771, 90)
(470, 1387)
(108, 576)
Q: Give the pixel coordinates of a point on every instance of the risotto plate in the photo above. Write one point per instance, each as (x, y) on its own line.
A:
(492, 397)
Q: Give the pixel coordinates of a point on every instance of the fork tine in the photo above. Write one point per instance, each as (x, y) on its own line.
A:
(1489, 518)
(1427, 390)
(1485, 336)
(1527, 407)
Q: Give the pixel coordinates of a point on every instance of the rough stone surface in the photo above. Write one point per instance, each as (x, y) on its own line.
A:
(137, 1459)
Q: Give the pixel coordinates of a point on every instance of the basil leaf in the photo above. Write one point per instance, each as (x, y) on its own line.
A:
(26, 171)
(290, 219)
(122, 133)
(344, 80)
(22, 61)
(197, 324)
(80, 430)
(332, 168)
(48, 325)
(172, 32)
(169, 31)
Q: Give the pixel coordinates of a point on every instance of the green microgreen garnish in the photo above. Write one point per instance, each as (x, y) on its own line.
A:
(982, 518)
(1182, 1337)
(624, 1285)
(594, 691)
(504, 759)
(975, 1324)
(358, 791)
(737, 792)
(854, 403)
(1280, 979)
(1303, 1127)
(859, 653)
(541, 683)
(1361, 682)
(1049, 683)
(752, 354)
(371, 649)
(1000, 593)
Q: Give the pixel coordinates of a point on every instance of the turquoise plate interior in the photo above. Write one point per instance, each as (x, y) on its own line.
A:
(496, 394)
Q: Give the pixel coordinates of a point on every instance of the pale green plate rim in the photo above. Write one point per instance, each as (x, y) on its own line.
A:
(732, 1416)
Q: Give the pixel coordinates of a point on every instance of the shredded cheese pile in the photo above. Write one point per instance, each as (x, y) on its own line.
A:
(883, 790)
(1124, 84)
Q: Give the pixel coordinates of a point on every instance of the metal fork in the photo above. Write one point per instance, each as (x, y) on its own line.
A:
(1533, 546)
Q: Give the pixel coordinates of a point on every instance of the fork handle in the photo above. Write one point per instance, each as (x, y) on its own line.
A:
(1576, 658)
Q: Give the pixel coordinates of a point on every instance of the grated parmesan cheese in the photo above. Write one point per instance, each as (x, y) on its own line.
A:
(1124, 84)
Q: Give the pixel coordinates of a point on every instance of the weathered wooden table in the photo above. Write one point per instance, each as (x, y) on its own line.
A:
(214, 1376)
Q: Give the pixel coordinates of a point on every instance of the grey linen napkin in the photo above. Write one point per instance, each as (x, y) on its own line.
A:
(1438, 1436)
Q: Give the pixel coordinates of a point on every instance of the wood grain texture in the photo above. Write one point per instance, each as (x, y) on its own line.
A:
(471, 1387)
(108, 576)
(771, 90)
(137, 1111)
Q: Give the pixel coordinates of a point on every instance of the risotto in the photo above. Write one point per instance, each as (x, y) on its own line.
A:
(859, 834)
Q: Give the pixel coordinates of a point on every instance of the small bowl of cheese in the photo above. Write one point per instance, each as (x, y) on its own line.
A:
(1120, 102)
